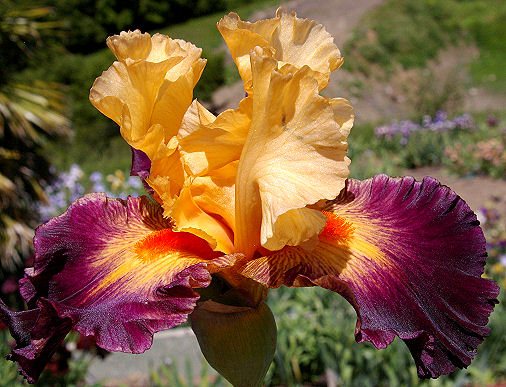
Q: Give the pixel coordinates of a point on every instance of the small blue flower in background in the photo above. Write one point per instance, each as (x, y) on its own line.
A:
(96, 177)
(134, 182)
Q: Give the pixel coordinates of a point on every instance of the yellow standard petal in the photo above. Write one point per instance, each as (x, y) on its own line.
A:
(147, 91)
(294, 155)
(293, 41)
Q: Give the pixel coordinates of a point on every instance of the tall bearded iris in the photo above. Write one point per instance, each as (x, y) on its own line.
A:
(251, 199)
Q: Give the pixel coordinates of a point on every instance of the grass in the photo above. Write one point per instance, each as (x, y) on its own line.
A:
(488, 70)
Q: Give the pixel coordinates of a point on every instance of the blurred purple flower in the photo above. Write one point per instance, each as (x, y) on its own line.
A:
(99, 187)
(440, 124)
(134, 182)
(96, 177)
(440, 116)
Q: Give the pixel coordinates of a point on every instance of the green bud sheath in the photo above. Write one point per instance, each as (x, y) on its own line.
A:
(238, 341)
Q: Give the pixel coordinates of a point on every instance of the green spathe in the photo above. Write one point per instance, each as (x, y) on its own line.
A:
(238, 341)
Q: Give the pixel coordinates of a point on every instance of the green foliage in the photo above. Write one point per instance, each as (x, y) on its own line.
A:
(31, 113)
(91, 21)
(461, 151)
(170, 375)
(400, 31)
(22, 27)
(78, 72)
(212, 77)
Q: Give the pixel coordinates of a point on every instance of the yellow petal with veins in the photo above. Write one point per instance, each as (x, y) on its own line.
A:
(294, 42)
(294, 155)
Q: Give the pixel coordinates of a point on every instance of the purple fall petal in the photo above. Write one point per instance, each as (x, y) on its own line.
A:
(409, 257)
(109, 268)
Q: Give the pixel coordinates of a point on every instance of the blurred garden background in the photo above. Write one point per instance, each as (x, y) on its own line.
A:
(427, 80)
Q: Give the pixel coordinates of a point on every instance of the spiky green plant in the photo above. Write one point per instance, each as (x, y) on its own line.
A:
(30, 113)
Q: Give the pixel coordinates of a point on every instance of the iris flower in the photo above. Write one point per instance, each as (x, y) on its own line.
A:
(249, 200)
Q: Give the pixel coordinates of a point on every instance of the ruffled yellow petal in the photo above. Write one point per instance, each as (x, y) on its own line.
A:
(208, 143)
(147, 91)
(130, 45)
(294, 155)
(294, 42)
(176, 93)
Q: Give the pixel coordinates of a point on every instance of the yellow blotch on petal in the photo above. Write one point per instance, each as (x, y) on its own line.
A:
(294, 43)
(160, 255)
(148, 90)
(347, 249)
(294, 155)
(140, 251)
